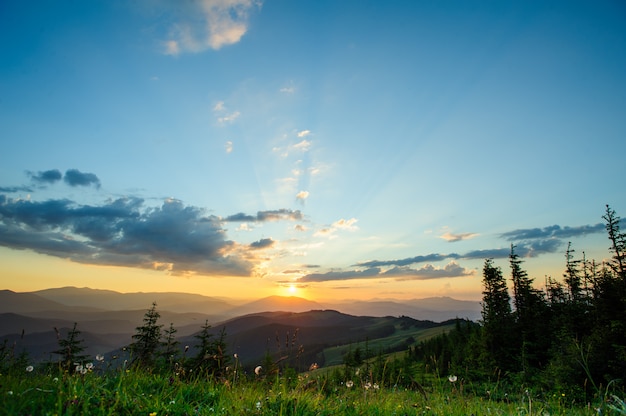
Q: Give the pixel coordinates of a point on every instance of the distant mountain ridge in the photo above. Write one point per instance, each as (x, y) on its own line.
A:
(108, 319)
(434, 308)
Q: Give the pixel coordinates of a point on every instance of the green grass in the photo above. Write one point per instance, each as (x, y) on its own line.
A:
(134, 392)
(335, 355)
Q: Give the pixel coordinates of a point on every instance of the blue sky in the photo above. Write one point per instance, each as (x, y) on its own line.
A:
(344, 149)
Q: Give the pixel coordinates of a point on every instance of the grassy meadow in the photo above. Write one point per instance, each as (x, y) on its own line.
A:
(95, 390)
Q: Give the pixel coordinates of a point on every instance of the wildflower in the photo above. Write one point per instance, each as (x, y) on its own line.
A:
(376, 386)
(29, 369)
(99, 357)
(79, 368)
(153, 413)
(314, 366)
(258, 405)
(368, 385)
(258, 370)
(89, 366)
(349, 383)
(452, 379)
(236, 356)
(10, 392)
(56, 379)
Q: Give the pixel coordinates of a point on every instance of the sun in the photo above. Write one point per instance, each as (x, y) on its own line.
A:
(292, 289)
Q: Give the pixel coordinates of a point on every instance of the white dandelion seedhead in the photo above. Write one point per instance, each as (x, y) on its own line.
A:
(89, 366)
(452, 378)
(349, 384)
(29, 369)
(99, 357)
(258, 370)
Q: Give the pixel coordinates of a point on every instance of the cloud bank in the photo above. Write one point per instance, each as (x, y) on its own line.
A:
(125, 232)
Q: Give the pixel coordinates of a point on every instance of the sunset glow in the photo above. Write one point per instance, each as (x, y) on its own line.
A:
(326, 150)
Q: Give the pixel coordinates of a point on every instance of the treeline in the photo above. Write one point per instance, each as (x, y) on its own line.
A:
(570, 337)
(152, 349)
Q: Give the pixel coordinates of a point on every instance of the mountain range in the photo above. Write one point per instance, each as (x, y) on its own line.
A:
(107, 319)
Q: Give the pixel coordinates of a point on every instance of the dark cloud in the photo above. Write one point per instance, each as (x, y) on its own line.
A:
(493, 253)
(262, 243)
(429, 271)
(74, 177)
(13, 189)
(262, 216)
(348, 275)
(410, 260)
(553, 231)
(174, 237)
(45, 177)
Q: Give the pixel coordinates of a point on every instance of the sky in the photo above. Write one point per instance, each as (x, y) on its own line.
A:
(347, 149)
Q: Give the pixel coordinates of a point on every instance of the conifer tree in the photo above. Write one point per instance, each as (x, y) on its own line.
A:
(531, 317)
(70, 348)
(169, 346)
(145, 346)
(618, 243)
(498, 323)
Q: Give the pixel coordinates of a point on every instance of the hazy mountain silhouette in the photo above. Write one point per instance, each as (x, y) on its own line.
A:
(108, 319)
(111, 300)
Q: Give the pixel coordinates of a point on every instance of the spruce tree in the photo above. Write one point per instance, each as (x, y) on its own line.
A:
(531, 314)
(169, 347)
(498, 323)
(145, 347)
(70, 349)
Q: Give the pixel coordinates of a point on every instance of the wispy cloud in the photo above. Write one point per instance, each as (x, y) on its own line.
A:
(451, 270)
(342, 224)
(216, 23)
(457, 237)
(304, 133)
(262, 216)
(224, 116)
(228, 146)
(553, 231)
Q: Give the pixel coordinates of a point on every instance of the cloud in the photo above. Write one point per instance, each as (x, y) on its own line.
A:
(228, 146)
(262, 216)
(428, 271)
(262, 243)
(553, 231)
(13, 189)
(337, 275)
(74, 177)
(302, 195)
(45, 177)
(224, 115)
(450, 237)
(410, 260)
(229, 118)
(341, 224)
(304, 133)
(303, 145)
(174, 237)
(451, 270)
(217, 23)
(288, 90)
